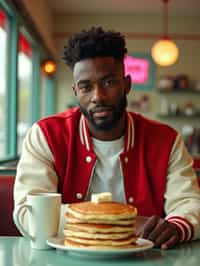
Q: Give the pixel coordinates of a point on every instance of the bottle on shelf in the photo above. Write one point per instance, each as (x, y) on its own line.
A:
(164, 108)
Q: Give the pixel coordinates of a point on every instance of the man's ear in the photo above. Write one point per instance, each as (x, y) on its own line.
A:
(127, 83)
(74, 89)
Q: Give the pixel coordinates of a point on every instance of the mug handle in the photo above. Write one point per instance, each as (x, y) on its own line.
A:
(18, 223)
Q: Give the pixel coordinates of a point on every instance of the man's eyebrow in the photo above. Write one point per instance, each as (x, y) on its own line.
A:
(110, 75)
(83, 81)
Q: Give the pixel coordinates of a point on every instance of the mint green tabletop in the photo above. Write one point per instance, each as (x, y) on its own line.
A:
(16, 251)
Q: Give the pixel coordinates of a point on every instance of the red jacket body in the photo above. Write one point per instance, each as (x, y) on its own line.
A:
(144, 161)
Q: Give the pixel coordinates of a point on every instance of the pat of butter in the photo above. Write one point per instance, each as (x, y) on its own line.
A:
(101, 197)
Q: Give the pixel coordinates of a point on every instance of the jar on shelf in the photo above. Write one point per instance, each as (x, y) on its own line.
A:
(189, 109)
(197, 86)
(165, 83)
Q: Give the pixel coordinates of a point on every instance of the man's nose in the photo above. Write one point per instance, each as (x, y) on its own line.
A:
(98, 93)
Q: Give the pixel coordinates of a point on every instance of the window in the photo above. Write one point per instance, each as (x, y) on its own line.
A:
(47, 95)
(20, 82)
(3, 56)
(24, 88)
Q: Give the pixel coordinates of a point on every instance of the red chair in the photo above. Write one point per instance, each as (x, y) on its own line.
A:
(7, 226)
(197, 168)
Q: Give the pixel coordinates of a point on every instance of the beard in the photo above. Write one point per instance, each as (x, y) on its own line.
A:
(106, 124)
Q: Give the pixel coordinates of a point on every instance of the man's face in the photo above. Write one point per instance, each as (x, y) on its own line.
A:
(101, 89)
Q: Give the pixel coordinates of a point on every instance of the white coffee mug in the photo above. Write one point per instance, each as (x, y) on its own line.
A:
(43, 218)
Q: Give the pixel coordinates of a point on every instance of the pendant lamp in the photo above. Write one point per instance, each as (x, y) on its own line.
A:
(49, 67)
(165, 52)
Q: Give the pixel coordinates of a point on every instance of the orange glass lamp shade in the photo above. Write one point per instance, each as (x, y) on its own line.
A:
(165, 52)
(49, 67)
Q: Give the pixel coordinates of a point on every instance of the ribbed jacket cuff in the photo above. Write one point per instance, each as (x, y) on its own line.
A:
(185, 228)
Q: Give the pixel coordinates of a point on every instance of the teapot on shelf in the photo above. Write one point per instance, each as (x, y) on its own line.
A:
(181, 82)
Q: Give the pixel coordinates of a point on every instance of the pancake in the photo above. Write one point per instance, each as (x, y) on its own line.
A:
(103, 228)
(104, 242)
(71, 219)
(104, 210)
(102, 225)
(99, 235)
(71, 243)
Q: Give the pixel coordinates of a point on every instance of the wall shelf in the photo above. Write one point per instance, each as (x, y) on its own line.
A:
(187, 91)
(179, 116)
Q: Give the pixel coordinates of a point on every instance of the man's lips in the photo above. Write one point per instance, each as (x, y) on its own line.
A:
(101, 112)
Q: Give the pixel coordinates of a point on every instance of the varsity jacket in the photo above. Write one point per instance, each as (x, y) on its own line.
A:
(144, 164)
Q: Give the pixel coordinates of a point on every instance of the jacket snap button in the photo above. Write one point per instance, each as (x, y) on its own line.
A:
(79, 195)
(131, 199)
(126, 159)
(88, 159)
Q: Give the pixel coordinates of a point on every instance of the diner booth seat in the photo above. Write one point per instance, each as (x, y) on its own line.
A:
(7, 226)
(197, 168)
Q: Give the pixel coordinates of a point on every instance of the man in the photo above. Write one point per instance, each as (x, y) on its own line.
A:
(101, 147)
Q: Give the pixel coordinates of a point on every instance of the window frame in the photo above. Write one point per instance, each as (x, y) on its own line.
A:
(11, 84)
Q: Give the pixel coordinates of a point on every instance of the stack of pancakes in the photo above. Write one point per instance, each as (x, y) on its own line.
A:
(100, 225)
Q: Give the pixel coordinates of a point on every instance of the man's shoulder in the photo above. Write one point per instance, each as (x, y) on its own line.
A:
(68, 115)
(151, 124)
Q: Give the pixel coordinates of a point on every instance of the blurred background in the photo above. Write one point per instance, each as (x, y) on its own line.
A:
(34, 81)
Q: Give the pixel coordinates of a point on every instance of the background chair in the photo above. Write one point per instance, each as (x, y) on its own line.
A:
(7, 226)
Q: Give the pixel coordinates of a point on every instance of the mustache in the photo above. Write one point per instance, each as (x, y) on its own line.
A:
(101, 108)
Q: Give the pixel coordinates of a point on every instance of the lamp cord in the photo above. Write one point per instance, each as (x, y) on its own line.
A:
(165, 19)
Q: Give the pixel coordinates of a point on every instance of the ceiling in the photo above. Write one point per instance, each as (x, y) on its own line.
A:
(66, 7)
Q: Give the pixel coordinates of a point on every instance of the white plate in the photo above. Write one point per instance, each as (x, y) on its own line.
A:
(143, 244)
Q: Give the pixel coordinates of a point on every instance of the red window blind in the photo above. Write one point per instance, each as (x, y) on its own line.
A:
(24, 45)
(2, 19)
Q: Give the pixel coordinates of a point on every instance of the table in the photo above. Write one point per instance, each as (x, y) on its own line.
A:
(16, 251)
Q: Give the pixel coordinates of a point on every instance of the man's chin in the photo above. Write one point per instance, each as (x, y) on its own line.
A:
(103, 125)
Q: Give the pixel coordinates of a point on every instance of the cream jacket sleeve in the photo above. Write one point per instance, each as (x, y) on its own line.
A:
(182, 197)
(35, 171)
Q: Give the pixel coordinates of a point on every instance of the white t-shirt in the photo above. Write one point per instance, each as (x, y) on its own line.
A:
(107, 175)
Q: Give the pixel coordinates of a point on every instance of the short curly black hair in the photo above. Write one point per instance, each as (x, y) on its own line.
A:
(93, 43)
